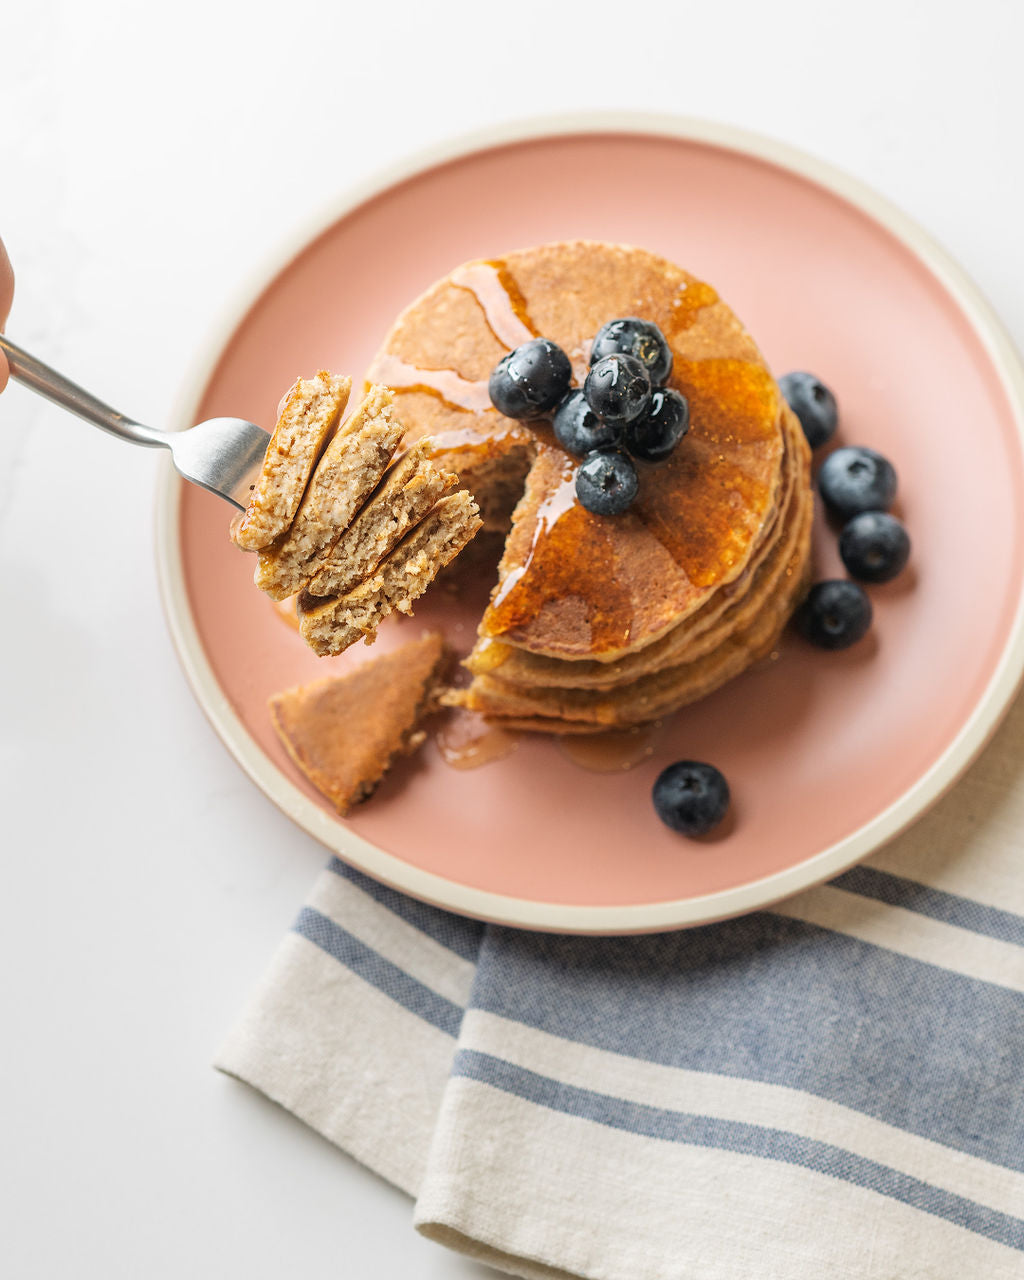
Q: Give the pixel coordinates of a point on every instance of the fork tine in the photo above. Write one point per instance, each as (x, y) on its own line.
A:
(222, 455)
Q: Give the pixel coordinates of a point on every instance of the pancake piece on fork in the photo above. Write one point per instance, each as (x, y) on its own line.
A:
(367, 534)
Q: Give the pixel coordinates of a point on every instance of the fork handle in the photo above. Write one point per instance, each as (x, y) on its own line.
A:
(54, 386)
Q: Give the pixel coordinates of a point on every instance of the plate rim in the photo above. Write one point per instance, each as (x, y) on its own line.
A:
(452, 895)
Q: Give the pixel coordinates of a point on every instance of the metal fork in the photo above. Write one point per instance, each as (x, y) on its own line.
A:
(223, 455)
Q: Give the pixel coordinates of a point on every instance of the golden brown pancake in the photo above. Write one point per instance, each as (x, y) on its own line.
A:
(347, 471)
(357, 547)
(573, 584)
(609, 621)
(307, 417)
(566, 709)
(331, 626)
(411, 487)
(728, 608)
(343, 732)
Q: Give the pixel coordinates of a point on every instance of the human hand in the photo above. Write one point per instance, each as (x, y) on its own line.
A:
(6, 294)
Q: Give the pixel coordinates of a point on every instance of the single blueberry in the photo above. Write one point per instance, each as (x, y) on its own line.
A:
(632, 336)
(835, 614)
(578, 429)
(606, 482)
(691, 797)
(654, 436)
(855, 479)
(874, 546)
(618, 389)
(531, 380)
(814, 404)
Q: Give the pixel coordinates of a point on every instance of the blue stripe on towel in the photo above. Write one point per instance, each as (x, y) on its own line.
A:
(381, 973)
(780, 1001)
(897, 891)
(454, 932)
(744, 1139)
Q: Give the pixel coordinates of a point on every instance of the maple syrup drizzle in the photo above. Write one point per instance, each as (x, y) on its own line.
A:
(504, 311)
(571, 556)
(467, 741)
(689, 302)
(550, 511)
(446, 385)
(612, 752)
(732, 402)
(470, 437)
(489, 655)
(499, 298)
(700, 504)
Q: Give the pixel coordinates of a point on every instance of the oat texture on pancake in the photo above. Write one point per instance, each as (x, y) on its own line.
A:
(342, 527)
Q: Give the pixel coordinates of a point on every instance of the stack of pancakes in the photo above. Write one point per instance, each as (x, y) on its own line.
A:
(603, 622)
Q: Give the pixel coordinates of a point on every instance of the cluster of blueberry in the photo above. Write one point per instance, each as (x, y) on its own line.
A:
(857, 486)
(623, 410)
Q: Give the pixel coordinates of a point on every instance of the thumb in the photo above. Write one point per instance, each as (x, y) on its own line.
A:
(6, 293)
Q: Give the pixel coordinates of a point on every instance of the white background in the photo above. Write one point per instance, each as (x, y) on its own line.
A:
(148, 164)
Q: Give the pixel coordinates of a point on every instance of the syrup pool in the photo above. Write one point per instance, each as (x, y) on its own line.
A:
(466, 741)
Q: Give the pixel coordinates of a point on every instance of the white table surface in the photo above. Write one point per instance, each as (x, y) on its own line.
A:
(146, 165)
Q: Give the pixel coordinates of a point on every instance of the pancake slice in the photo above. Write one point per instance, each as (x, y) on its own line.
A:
(344, 732)
(410, 488)
(347, 473)
(330, 626)
(308, 414)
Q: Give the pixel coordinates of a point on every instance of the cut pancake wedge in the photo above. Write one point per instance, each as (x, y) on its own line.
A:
(347, 473)
(344, 732)
(409, 489)
(308, 415)
(330, 626)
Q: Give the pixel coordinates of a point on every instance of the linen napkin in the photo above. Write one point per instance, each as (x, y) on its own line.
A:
(834, 1087)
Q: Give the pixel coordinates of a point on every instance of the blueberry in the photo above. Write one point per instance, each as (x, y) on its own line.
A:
(578, 429)
(835, 614)
(874, 546)
(606, 482)
(618, 389)
(632, 336)
(813, 404)
(691, 797)
(654, 436)
(854, 480)
(531, 380)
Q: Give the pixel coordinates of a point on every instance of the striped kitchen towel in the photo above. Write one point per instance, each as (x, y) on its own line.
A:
(834, 1087)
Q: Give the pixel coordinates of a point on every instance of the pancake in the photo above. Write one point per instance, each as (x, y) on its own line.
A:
(562, 709)
(697, 634)
(361, 543)
(409, 489)
(604, 622)
(573, 584)
(347, 471)
(331, 626)
(344, 732)
(307, 416)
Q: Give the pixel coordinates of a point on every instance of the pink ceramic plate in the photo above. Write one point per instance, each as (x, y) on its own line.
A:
(828, 755)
